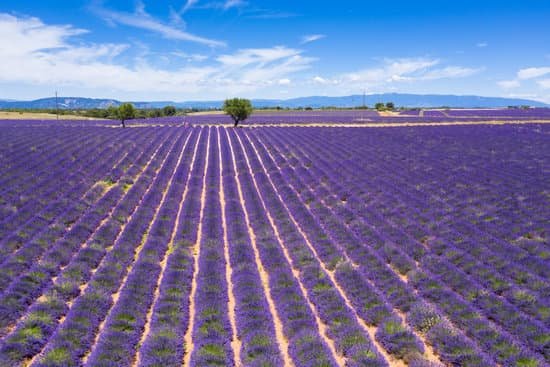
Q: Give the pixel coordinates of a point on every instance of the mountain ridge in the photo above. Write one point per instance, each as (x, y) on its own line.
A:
(399, 99)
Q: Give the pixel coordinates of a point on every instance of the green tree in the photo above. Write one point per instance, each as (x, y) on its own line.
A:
(126, 111)
(169, 110)
(380, 106)
(238, 108)
(154, 113)
(111, 112)
(390, 106)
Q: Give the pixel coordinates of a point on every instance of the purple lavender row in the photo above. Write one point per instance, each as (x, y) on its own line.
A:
(74, 336)
(29, 187)
(372, 266)
(211, 332)
(121, 332)
(480, 272)
(55, 226)
(20, 291)
(15, 150)
(33, 216)
(484, 274)
(306, 346)
(401, 342)
(164, 343)
(41, 182)
(43, 315)
(26, 287)
(253, 318)
(29, 124)
(304, 117)
(349, 338)
(37, 142)
(468, 227)
(465, 254)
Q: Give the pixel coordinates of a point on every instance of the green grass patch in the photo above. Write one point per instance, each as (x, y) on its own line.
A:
(213, 350)
(57, 356)
(393, 327)
(526, 362)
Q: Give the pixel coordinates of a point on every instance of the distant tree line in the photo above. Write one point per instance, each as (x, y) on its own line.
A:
(110, 112)
(389, 106)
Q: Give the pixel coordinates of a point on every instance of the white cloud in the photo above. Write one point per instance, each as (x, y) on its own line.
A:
(190, 57)
(218, 5)
(527, 74)
(140, 19)
(189, 4)
(311, 38)
(450, 72)
(176, 18)
(233, 4)
(38, 54)
(531, 73)
(482, 44)
(509, 84)
(320, 80)
(26, 35)
(260, 56)
(391, 70)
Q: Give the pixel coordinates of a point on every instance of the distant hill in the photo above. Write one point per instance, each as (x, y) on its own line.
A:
(399, 99)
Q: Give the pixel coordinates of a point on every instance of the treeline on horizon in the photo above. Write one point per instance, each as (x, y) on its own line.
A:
(111, 112)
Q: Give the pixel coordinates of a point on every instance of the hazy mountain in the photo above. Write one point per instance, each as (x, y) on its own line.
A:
(400, 100)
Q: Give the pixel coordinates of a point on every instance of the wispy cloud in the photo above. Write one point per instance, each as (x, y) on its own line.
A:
(450, 72)
(44, 55)
(190, 57)
(140, 19)
(311, 38)
(188, 5)
(219, 5)
(545, 83)
(509, 84)
(233, 4)
(402, 70)
(261, 56)
(392, 70)
(482, 44)
(261, 13)
(526, 74)
(531, 73)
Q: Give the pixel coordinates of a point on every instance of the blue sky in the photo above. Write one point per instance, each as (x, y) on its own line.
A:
(212, 49)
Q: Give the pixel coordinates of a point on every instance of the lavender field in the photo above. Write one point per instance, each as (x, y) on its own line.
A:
(325, 118)
(179, 242)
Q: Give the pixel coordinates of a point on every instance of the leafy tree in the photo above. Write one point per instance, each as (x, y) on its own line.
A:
(169, 111)
(238, 108)
(390, 106)
(111, 112)
(126, 111)
(154, 113)
(380, 106)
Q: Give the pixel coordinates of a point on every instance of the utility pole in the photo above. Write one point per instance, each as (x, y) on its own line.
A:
(364, 106)
(56, 106)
